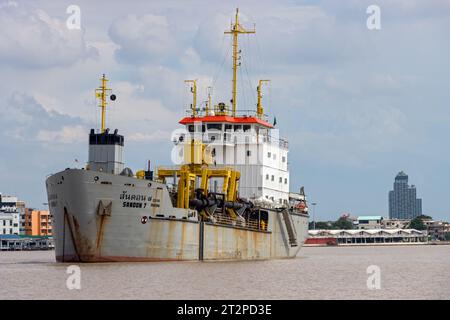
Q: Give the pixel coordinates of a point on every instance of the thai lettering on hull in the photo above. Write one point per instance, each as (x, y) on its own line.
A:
(135, 200)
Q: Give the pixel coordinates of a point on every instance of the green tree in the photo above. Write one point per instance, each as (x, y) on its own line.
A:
(343, 223)
(417, 222)
(321, 225)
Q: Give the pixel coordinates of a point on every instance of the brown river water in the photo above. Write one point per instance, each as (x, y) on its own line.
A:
(405, 272)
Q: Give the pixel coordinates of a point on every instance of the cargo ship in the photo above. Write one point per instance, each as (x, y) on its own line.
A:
(225, 197)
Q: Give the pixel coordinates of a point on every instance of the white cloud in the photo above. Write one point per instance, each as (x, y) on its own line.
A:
(350, 136)
(25, 119)
(190, 59)
(158, 135)
(67, 134)
(210, 41)
(30, 38)
(167, 85)
(139, 118)
(142, 38)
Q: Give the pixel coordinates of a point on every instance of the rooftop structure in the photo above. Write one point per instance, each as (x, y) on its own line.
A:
(369, 222)
(395, 223)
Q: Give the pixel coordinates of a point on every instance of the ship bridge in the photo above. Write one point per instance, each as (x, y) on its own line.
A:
(247, 142)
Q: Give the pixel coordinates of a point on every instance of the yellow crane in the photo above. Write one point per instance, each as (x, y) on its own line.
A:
(195, 175)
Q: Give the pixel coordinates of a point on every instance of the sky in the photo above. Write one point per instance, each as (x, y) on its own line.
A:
(357, 105)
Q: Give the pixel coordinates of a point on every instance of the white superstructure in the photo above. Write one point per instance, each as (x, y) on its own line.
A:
(250, 145)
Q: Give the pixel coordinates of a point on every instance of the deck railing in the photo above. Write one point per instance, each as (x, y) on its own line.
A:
(253, 224)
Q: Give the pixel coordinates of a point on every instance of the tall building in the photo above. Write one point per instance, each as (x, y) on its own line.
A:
(403, 202)
(38, 223)
(9, 215)
(21, 209)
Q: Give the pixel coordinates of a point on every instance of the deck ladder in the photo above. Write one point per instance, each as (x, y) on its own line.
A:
(290, 228)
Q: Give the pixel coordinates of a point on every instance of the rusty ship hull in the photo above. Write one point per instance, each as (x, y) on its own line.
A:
(101, 217)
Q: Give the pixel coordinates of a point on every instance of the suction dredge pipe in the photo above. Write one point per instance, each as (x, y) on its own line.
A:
(202, 203)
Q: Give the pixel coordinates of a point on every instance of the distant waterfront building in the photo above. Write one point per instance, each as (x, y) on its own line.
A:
(403, 201)
(366, 237)
(38, 223)
(370, 222)
(395, 223)
(437, 230)
(16, 219)
(9, 216)
(20, 205)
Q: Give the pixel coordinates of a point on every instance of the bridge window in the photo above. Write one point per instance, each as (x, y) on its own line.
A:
(198, 128)
(246, 127)
(215, 126)
(237, 127)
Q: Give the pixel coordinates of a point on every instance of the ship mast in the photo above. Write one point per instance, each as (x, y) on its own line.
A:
(259, 107)
(101, 94)
(194, 96)
(208, 102)
(235, 30)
